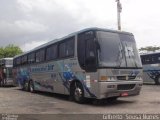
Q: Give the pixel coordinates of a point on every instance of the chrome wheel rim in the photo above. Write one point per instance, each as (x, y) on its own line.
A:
(78, 93)
(31, 86)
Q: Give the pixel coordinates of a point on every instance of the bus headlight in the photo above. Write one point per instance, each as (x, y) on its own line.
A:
(103, 78)
(106, 78)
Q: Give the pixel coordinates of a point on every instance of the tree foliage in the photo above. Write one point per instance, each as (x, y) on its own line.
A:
(9, 51)
(149, 49)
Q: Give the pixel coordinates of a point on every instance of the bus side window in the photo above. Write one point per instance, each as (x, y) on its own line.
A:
(18, 61)
(40, 55)
(31, 58)
(62, 50)
(143, 60)
(70, 47)
(51, 52)
(66, 48)
(24, 60)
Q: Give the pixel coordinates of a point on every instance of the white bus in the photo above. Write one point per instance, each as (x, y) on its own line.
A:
(151, 68)
(6, 65)
(92, 63)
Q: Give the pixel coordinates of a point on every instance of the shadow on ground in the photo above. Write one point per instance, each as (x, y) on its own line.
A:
(90, 102)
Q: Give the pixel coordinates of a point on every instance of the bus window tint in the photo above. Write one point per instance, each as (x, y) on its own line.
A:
(110, 53)
(150, 59)
(40, 55)
(66, 48)
(84, 47)
(70, 47)
(18, 61)
(31, 58)
(62, 50)
(51, 52)
(24, 60)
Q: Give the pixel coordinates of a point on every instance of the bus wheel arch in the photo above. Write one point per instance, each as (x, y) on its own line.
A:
(77, 91)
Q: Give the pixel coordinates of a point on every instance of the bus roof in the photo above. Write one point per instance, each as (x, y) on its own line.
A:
(72, 34)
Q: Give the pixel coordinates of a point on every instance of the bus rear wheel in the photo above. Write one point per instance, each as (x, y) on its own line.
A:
(78, 93)
(31, 86)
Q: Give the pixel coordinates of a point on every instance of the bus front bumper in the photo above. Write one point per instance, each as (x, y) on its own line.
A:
(119, 89)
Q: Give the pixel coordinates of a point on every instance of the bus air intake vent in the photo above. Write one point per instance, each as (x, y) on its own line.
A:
(125, 87)
(126, 77)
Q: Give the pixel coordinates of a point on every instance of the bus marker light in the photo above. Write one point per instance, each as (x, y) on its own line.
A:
(124, 94)
(104, 77)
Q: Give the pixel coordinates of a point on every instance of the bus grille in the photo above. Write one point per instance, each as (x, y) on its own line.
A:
(125, 87)
(126, 77)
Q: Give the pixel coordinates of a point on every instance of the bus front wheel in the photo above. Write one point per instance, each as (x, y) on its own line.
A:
(78, 92)
(31, 86)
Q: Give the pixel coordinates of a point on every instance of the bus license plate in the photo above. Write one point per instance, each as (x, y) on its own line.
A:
(124, 94)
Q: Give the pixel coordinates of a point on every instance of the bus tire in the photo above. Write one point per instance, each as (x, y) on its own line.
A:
(78, 92)
(31, 86)
(157, 80)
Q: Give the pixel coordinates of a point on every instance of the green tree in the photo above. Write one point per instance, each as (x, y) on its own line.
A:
(9, 51)
(1, 52)
(149, 48)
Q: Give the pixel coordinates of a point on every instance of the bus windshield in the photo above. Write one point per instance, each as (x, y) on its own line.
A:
(117, 50)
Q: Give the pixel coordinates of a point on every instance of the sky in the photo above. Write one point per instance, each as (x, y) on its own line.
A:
(30, 23)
